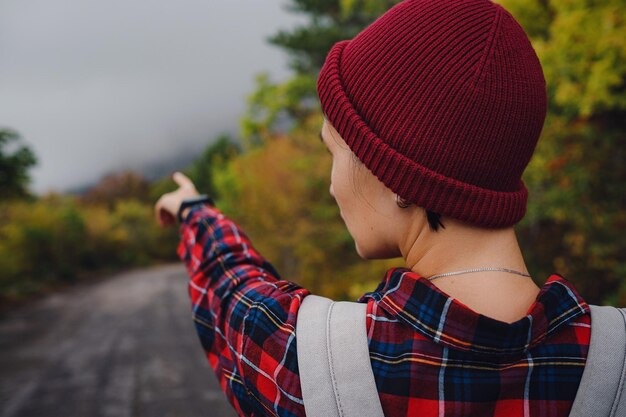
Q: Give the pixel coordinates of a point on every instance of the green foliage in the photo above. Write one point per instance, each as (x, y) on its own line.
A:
(270, 103)
(138, 240)
(577, 178)
(577, 183)
(296, 99)
(582, 47)
(585, 57)
(212, 159)
(124, 236)
(56, 239)
(14, 165)
(368, 9)
(330, 22)
(40, 242)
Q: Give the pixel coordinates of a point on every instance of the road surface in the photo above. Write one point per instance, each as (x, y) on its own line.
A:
(120, 347)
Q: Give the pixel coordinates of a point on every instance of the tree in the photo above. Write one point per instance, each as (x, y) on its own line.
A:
(577, 177)
(15, 161)
(273, 105)
(112, 188)
(330, 21)
(213, 158)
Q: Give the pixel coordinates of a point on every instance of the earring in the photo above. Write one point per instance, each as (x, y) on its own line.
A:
(401, 203)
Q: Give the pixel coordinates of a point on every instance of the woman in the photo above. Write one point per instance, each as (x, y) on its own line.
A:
(440, 103)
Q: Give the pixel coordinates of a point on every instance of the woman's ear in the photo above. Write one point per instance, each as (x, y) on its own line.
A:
(402, 203)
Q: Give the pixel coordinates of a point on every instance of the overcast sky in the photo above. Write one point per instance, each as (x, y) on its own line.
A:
(94, 86)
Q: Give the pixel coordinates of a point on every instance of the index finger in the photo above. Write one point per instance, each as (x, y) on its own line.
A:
(182, 180)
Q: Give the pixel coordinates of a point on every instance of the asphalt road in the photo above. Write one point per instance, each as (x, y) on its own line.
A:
(120, 347)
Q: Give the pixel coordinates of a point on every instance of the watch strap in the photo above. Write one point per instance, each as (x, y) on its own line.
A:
(188, 202)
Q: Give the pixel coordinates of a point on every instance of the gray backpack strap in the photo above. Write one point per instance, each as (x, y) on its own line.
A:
(333, 360)
(602, 390)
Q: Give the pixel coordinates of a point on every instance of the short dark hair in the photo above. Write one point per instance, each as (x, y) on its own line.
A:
(434, 220)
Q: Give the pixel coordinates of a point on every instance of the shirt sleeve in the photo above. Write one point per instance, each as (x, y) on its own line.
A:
(244, 314)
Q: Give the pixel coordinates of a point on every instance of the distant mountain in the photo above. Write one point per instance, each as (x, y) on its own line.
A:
(151, 171)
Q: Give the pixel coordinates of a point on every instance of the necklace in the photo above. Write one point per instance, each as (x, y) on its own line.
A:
(469, 271)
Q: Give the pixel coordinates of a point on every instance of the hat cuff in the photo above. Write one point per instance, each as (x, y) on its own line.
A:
(412, 181)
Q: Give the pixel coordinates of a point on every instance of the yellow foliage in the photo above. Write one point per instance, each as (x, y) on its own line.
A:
(58, 239)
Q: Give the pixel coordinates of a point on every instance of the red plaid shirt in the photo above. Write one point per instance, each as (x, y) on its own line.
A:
(431, 355)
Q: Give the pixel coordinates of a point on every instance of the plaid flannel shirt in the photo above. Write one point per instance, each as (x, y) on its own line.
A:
(431, 355)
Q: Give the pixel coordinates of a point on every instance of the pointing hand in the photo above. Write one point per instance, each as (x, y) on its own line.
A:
(167, 206)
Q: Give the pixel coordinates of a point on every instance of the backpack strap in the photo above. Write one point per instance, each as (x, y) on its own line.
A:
(333, 359)
(602, 389)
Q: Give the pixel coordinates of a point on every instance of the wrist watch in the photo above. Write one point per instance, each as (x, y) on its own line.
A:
(188, 202)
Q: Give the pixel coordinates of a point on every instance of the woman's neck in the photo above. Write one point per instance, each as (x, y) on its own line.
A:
(459, 247)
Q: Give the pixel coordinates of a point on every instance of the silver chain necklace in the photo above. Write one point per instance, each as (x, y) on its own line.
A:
(469, 271)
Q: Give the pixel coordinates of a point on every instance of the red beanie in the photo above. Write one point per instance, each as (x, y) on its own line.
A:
(443, 100)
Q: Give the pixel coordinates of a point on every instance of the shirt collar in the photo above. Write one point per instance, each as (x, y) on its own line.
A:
(414, 300)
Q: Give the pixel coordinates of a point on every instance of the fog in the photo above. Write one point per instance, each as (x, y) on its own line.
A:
(96, 86)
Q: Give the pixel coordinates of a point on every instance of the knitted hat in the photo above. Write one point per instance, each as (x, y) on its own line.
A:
(443, 100)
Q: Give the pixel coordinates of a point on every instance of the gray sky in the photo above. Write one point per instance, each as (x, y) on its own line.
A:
(95, 86)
